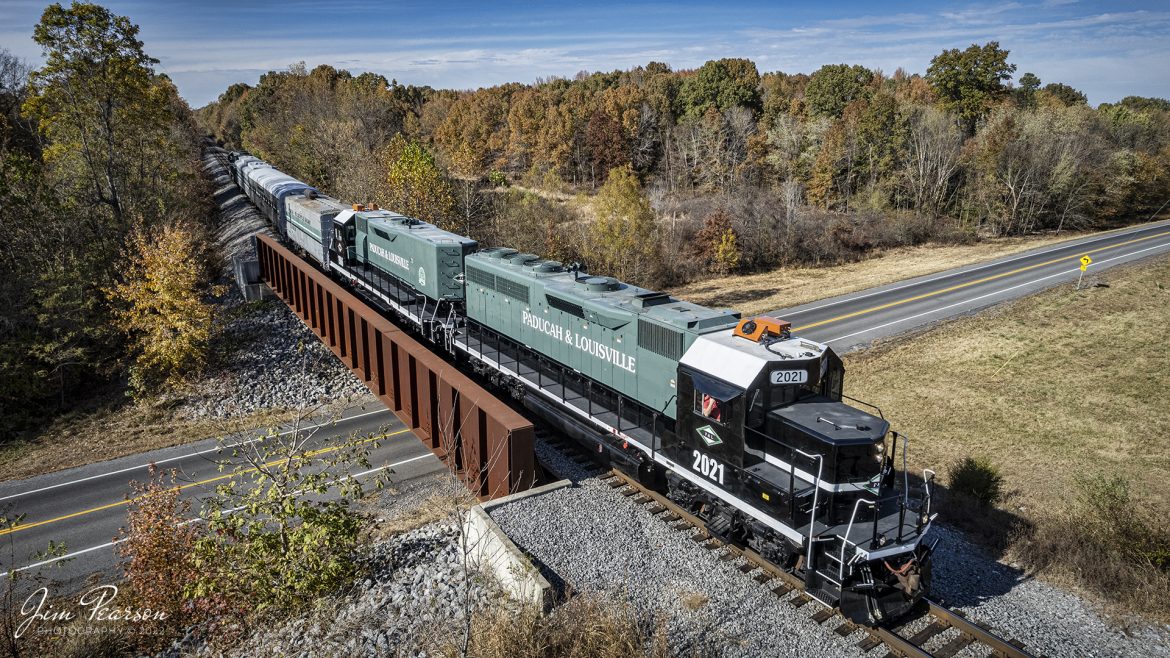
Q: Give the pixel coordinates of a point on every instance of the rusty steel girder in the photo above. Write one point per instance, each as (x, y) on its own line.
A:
(482, 440)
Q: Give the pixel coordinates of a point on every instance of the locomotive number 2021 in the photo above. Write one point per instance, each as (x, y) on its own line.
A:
(708, 466)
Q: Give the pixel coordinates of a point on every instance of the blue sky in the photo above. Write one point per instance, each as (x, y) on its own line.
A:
(1107, 49)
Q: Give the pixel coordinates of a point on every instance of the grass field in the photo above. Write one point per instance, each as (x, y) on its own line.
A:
(789, 286)
(1052, 389)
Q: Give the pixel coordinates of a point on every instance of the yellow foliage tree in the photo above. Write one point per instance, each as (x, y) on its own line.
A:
(624, 234)
(415, 186)
(162, 303)
(726, 253)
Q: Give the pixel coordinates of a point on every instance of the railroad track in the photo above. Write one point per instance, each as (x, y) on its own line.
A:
(909, 639)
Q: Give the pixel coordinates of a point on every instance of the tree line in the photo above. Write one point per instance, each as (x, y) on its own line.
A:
(104, 265)
(742, 170)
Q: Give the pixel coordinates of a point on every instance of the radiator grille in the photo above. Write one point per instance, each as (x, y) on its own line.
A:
(660, 340)
(479, 277)
(567, 307)
(517, 291)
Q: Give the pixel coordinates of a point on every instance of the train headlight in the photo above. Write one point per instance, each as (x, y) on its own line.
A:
(878, 451)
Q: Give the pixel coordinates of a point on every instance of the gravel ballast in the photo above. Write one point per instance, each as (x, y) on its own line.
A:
(265, 357)
(590, 538)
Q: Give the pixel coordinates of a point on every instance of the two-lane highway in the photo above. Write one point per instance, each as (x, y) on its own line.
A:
(84, 507)
(857, 319)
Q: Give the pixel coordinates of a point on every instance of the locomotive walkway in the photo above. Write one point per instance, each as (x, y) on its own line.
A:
(857, 319)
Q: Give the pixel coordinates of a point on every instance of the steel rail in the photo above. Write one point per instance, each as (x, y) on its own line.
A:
(896, 643)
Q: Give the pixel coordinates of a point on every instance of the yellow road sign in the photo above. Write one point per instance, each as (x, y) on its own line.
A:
(1085, 261)
(1084, 267)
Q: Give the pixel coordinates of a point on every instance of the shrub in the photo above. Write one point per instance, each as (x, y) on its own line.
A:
(977, 478)
(156, 548)
(497, 178)
(1107, 542)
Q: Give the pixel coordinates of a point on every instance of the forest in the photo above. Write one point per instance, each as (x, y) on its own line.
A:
(106, 270)
(661, 176)
(655, 175)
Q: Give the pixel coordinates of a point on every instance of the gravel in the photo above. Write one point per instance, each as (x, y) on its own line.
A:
(590, 538)
(265, 357)
(1049, 621)
(416, 594)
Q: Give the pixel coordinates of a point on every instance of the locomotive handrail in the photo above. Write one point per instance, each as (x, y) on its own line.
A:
(812, 518)
(868, 404)
(927, 478)
(845, 540)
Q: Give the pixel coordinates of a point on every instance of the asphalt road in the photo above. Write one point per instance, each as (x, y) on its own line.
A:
(857, 319)
(84, 507)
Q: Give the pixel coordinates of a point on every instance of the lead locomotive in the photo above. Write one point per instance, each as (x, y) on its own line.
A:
(735, 419)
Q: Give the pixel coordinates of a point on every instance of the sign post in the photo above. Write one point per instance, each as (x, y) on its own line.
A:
(1085, 262)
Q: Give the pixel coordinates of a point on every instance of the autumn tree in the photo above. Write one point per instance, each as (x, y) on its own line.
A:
(607, 149)
(98, 102)
(721, 84)
(834, 86)
(163, 303)
(415, 186)
(970, 81)
(1065, 95)
(156, 547)
(624, 233)
(467, 170)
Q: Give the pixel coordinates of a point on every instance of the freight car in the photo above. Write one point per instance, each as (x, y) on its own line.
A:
(734, 418)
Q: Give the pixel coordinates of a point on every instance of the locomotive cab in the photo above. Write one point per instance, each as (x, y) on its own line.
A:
(760, 415)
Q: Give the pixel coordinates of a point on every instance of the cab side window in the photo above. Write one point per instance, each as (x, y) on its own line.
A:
(710, 407)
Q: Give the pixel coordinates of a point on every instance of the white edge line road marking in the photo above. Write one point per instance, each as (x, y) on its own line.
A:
(83, 551)
(1087, 242)
(990, 294)
(177, 457)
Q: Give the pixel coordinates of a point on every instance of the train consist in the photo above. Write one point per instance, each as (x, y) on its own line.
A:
(734, 418)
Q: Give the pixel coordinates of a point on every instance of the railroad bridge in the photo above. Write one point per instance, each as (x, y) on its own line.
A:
(485, 443)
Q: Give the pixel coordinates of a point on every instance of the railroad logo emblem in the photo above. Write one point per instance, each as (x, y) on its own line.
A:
(709, 435)
(422, 277)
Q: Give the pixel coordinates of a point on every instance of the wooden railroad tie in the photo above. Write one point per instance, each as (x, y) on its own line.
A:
(762, 577)
(615, 483)
(642, 499)
(845, 629)
(957, 644)
(822, 615)
(630, 492)
(656, 508)
(868, 642)
(935, 627)
(800, 600)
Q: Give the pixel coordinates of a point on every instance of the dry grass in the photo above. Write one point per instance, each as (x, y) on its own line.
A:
(790, 286)
(1050, 389)
(447, 503)
(586, 626)
(84, 438)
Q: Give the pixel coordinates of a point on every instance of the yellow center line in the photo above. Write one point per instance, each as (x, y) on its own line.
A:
(976, 282)
(127, 501)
